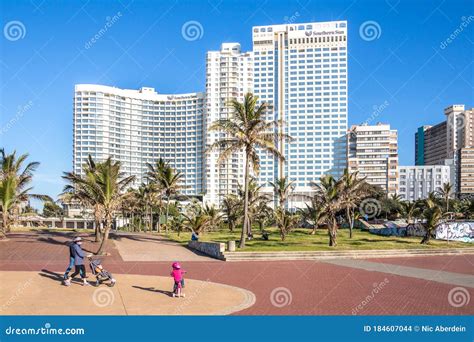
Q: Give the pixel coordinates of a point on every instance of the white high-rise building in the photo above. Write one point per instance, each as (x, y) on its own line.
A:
(373, 152)
(229, 75)
(137, 127)
(416, 182)
(300, 70)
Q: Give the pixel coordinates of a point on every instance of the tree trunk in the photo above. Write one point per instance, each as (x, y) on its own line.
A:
(426, 238)
(167, 213)
(246, 201)
(105, 237)
(151, 219)
(332, 231)
(4, 229)
(158, 224)
(231, 225)
(97, 231)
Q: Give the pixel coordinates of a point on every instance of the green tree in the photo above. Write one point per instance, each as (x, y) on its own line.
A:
(106, 186)
(282, 190)
(446, 192)
(247, 130)
(166, 179)
(15, 178)
(51, 209)
(231, 210)
(327, 193)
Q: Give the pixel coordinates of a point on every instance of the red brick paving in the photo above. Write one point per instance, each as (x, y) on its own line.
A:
(315, 288)
(448, 263)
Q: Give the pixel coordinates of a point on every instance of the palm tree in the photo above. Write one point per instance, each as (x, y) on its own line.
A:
(230, 208)
(282, 189)
(410, 209)
(285, 221)
(353, 190)
(15, 178)
(248, 131)
(433, 216)
(446, 193)
(263, 215)
(77, 190)
(314, 213)
(107, 185)
(328, 195)
(195, 219)
(167, 180)
(213, 214)
(255, 199)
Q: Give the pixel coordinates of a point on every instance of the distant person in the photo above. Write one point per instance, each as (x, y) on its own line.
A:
(71, 262)
(194, 236)
(178, 276)
(79, 256)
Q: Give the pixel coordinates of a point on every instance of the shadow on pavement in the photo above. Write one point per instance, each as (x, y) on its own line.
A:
(152, 289)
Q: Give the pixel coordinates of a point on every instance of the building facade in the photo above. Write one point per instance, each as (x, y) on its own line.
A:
(300, 71)
(137, 127)
(431, 144)
(416, 182)
(465, 169)
(448, 143)
(372, 151)
(229, 75)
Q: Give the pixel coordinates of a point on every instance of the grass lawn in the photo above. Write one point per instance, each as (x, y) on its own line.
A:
(301, 240)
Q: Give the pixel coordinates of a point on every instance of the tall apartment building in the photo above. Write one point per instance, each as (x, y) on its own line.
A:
(373, 152)
(137, 127)
(300, 71)
(416, 182)
(229, 75)
(465, 169)
(431, 144)
(447, 142)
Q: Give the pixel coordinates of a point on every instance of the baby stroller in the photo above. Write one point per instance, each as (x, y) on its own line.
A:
(100, 273)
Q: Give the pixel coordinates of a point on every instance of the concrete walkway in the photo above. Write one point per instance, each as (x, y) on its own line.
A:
(147, 247)
(32, 293)
(450, 278)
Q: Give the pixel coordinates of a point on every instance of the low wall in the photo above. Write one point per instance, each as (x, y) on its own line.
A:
(213, 249)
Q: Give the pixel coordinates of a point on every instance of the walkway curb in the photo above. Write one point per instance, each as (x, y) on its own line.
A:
(350, 254)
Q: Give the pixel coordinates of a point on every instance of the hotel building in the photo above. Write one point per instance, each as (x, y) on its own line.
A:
(416, 182)
(373, 152)
(137, 127)
(229, 75)
(300, 71)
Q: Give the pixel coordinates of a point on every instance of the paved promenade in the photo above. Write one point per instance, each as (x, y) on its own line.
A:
(434, 285)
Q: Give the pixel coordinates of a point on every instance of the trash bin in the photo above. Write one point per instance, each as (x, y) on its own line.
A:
(231, 246)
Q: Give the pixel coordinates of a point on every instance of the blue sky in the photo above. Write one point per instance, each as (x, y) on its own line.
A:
(406, 74)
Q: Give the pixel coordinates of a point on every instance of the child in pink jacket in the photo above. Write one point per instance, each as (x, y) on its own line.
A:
(177, 274)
